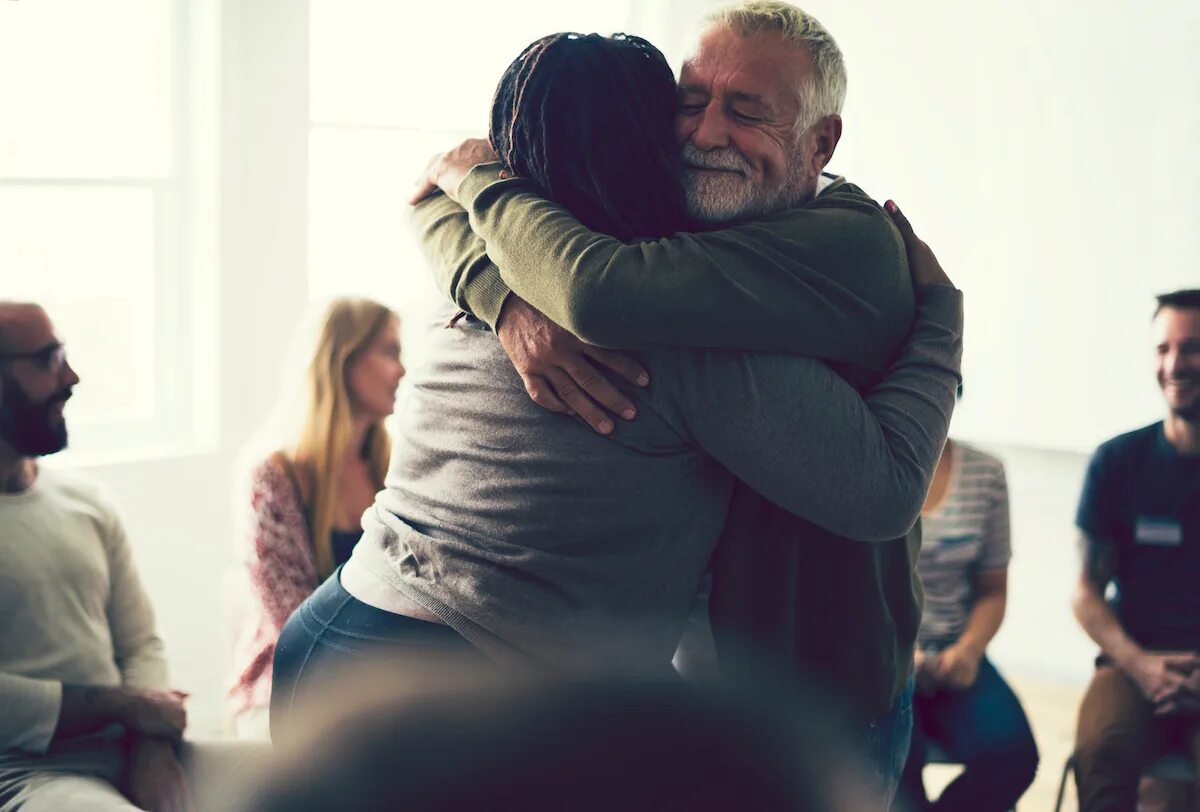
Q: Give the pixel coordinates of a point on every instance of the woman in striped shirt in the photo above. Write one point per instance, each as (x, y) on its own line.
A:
(961, 701)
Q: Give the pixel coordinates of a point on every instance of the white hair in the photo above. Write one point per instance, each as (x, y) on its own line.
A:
(821, 94)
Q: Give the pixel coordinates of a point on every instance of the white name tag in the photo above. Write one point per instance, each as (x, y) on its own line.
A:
(1158, 530)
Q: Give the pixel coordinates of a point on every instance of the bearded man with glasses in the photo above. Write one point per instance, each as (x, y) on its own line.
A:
(84, 707)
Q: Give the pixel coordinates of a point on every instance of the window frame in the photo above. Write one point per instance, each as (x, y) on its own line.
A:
(182, 417)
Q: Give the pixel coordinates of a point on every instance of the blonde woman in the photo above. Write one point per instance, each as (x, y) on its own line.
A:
(306, 500)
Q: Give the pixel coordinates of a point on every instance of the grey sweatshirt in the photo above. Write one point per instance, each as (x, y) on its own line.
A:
(535, 537)
(72, 607)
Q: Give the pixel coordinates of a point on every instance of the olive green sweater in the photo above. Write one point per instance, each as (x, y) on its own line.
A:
(828, 280)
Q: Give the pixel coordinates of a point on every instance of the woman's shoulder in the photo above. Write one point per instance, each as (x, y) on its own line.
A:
(275, 503)
(278, 473)
(977, 464)
(272, 468)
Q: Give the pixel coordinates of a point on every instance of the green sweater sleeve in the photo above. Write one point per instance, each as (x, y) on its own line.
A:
(461, 267)
(828, 280)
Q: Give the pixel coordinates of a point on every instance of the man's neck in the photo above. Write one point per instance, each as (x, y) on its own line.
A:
(17, 472)
(1182, 434)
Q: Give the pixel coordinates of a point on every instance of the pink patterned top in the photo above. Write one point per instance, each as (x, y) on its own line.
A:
(277, 559)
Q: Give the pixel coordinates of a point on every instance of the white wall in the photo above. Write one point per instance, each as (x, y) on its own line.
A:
(1040, 638)
(1047, 151)
(179, 509)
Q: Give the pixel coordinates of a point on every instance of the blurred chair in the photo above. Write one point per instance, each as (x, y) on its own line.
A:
(222, 771)
(935, 754)
(1174, 766)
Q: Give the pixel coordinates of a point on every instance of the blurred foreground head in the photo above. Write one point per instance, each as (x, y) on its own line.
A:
(592, 745)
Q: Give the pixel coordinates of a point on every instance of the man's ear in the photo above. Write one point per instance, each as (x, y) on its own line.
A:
(826, 134)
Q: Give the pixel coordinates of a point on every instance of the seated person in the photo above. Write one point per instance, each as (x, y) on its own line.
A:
(1139, 521)
(86, 722)
(306, 501)
(962, 702)
(529, 538)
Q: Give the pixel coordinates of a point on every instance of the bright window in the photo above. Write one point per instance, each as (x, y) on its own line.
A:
(390, 86)
(97, 206)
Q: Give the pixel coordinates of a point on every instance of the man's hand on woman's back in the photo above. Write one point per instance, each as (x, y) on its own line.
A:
(447, 170)
(563, 374)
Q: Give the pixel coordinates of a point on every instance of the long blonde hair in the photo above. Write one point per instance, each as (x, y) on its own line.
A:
(348, 328)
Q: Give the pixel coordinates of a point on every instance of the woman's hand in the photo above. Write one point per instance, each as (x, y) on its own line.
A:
(957, 668)
(922, 264)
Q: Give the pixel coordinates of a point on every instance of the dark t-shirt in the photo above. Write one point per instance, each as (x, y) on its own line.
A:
(1143, 496)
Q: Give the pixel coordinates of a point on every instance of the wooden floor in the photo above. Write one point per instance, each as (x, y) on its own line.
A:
(1052, 711)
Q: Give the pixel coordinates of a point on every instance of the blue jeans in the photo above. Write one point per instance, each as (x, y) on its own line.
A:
(331, 630)
(985, 729)
(887, 740)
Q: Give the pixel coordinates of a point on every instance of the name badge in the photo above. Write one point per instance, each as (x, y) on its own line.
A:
(1160, 531)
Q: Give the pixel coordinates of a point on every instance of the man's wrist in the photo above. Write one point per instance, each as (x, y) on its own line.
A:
(506, 306)
(1126, 656)
(122, 703)
(106, 704)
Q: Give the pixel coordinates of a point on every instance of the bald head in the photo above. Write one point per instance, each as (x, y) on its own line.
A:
(18, 320)
(35, 381)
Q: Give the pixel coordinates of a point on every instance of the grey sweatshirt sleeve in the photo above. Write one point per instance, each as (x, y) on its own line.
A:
(794, 431)
(29, 711)
(137, 648)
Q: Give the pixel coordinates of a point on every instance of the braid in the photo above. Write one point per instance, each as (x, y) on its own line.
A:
(554, 117)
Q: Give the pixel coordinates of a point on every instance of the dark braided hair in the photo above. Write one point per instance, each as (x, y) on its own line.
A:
(590, 120)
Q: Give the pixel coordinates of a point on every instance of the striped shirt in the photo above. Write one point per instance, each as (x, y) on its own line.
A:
(965, 534)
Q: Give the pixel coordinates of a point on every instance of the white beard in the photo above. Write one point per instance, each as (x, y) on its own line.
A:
(718, 197)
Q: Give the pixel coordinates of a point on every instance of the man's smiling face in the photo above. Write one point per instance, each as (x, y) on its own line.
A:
(739, 105)
(1177, 353)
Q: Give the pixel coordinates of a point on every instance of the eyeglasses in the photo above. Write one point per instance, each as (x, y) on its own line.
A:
(51, 358)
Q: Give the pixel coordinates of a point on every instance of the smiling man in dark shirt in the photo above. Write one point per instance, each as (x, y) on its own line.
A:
(1139, 519)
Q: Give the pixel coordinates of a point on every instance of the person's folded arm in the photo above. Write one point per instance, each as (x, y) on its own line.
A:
(29, 711)
(34, 713)
(137, 648)
(828, 280)
(798, 434)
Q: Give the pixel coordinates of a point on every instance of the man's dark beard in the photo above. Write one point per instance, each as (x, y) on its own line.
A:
(31, 428)
(1189, 413)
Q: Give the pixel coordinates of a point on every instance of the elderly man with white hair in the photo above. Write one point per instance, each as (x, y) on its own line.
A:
(784, 257)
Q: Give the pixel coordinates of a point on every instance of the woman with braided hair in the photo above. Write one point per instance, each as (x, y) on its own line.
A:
(589, 119)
